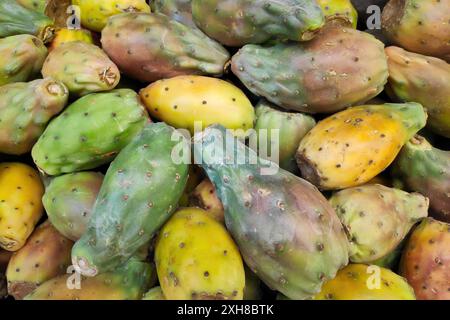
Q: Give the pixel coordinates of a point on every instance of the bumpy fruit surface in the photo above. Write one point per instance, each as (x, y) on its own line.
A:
(197, 259)
(25, 110)
(83, 67)
(205, 197)
(339, 9)
(69, 199)
(45, 256)
(139, 193)
(339, 68)
(363, 282)
(419, 26)
(292, 127)
(35, 5)
(21, 58)
(187, 101)
(154, 294)
(330, 155)
(179, 10)
(426, 169)
(95, 14)
(90, 132)
(16, 19)
(239, 22)
(287, 232)
(426, 259)
(377, 218)
(129, 282)
(65, 35)
(422, 79)
(150, 47)
(21, 191)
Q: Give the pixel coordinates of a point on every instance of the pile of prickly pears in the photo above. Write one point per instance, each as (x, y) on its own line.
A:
(225, 149)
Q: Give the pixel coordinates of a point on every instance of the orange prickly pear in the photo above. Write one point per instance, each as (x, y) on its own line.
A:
(205, 197)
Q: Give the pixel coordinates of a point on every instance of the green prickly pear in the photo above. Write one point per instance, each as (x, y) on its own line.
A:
(377, 218)
(90, 132)
(339, 68)
(83, 67)
(426, 169)
(35, 5)
(139, 193)
(68, 201)
(154, 294)
(25, 110)
(292, 127)
(179, 10)
(21, 58)
(238, 22)
(150, 47)
(45, 256)
(286, 230)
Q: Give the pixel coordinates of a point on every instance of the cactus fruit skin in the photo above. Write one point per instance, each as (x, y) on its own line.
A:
(197, 259)
(129, 282)
(340, 67)
(35, 5)
(426, 169)
(352, 283)
(139, 193)
(205, 197)
(377, 218)
(90, 132)
(45, 256)
(340, 9)
(83, 67)
(185, 101)
(69, 199)
(15, 20)
(287, 232)
(292, 128)
(95, 14)
(25, 110)
(22, 57)
(65, 35)
(179, 10)
(419, 26)
(21, 208)
(238, 22)
(379, 130)
(426, 258)
(154, 294)
(422, 79)
(161, 48)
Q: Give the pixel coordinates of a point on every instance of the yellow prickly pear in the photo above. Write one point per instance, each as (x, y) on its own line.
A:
(197, 259)
(339, 9)
(205, 197)
(21, 207)
(71, 35)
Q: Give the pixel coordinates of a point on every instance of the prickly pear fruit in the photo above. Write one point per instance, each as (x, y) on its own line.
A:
(69, 199)
(426, 258)
(15, 20)
(154, 294)
(90, 132)
(139, 193)
(25, 110)
(205, 197)
(391, 260)
(35, 5)
(129, 282)
(363, 282)
(422, 79)
(21, 58)
(419, 26)
(426, 169)
(45, 256)
(288, 130)
(83, 67)
(377, 218)
(340, 9)
(197, 259)
(65, 35)
(21, 208)
(288, 233)
(339, 68)
(95, 14)
(150, 47)
(330, 154)
(196, 102)
(239, 22)
(179, 10)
